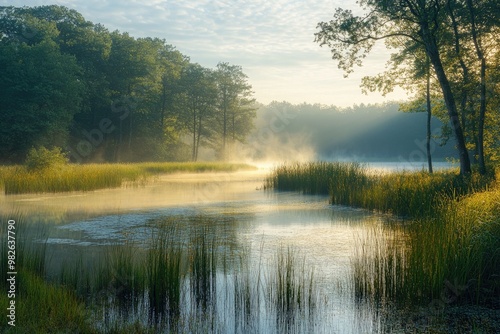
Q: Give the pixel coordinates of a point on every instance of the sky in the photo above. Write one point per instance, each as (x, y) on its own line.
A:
(272, 40)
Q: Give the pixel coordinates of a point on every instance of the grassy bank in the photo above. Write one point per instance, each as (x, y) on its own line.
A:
(63, 178)
(411, 194)
(449, 250)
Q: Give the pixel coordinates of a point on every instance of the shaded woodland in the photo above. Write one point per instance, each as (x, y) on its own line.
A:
(106, 96)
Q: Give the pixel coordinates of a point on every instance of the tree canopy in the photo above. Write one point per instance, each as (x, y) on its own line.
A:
(460, 39)
(108, 96)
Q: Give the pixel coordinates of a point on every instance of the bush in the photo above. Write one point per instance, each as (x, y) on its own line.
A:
(43, 158)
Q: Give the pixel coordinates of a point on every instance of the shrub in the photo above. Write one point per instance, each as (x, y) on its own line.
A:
(43, 158)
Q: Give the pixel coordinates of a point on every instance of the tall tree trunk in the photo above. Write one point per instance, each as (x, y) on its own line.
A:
(198, 139)
(163, 107)
(193, 156)
(224, 125)
(433, 53)
(482, 107)
(429, 116)
(481, 119)
(131, 109)
(465, 70)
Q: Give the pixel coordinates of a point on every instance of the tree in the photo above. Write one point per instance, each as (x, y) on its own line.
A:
(236, 110)
(65, 79)
(199, 99)
(40, 91)
(426, 23)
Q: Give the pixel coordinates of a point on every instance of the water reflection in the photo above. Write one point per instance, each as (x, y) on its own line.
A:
(250, 225)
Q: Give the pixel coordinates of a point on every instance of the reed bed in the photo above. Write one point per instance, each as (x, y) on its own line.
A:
(447, 251)
(87, 177)
(204, 268)
(291, 289)
(313, 177)
(449, 255)
(41, 306)
(453, 258)
(169, 284)
(406, 194)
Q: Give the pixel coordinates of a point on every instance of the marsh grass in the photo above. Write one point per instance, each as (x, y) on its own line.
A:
(170, 283)
(70, 177)
(203, 264)
(314, 177)
(448, 249)
(450, 258)
(406, 194)
(291, 290)
(41, 307)
(166, 267)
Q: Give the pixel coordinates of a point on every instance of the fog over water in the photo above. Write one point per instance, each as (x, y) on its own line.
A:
(234, 207)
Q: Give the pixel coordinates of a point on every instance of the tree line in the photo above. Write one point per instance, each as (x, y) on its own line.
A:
(365, 132)
(446, 52)
(106, 96)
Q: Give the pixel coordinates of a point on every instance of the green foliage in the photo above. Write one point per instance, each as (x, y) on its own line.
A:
(39, 159)
(62, 311)
(41, 92)
(454, 36)
(65, 76)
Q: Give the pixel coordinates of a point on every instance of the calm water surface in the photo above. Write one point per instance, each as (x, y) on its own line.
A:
(253, 219)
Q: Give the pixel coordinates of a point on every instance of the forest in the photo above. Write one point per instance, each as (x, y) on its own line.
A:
(104, 95)
(372, 132)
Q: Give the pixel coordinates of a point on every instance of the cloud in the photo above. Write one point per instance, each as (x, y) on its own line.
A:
(272, 40)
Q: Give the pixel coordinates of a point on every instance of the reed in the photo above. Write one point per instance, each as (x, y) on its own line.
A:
(448, 248)
(108, 294)
(166, 271)
(452, 257)
(291, 289)
(248, 293)
(407, 194)
(87, 177)
(41, 307)
(312, 177)
(203, 263)
(30, 244)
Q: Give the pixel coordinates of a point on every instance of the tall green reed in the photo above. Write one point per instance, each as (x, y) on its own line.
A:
(452, 257)
(291, 289)
(409, 194)
(166, 271)
(41, 307)
(203, 262)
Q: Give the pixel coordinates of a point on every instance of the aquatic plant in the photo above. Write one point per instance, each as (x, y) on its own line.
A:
(41, 306)
(312, 177)
(291, 289)
(408, 194)
(443, 259)
(203, 263)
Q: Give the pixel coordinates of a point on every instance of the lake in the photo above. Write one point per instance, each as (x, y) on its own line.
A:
(255, 229)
